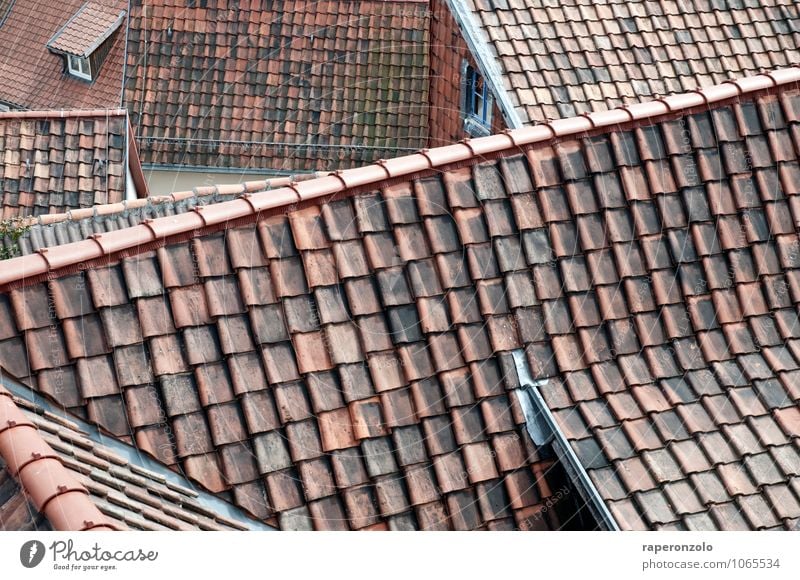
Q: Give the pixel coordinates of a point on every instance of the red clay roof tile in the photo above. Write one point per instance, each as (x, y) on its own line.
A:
(44, 84)
(623, 374)
(284, 490)
(367, 419)
(192, 435)
(259, 411)
(324, 391)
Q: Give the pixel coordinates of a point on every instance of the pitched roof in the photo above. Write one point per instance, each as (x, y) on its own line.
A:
(33, 77)
(47, 230)
(385, 396)
(60, 475)
(303, 85)
(88, 28)
(54, 161)
(16, 511)
(560, 59)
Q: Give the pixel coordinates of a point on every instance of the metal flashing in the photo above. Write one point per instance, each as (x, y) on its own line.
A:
(542, 425)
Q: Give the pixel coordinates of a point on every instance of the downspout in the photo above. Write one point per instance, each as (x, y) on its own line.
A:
(478, 46)
(542, 427)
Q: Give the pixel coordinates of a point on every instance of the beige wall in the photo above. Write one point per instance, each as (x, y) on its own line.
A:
(162, 182)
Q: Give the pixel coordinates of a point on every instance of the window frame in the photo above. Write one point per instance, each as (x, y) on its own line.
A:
(476, 101)
(476, 95)
(78, 72)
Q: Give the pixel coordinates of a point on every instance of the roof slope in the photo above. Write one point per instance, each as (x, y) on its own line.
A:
(560, 59)
(47, 230)
(303, 85)
(32, 77)
(214, 388)
(100, 485)
(16, 511)
(644, 258)
(53, 161)
(87, 29)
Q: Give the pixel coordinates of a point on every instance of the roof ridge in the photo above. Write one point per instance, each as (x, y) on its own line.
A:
(53, 490)
(62, 113)
(109, 209)
(152, 232)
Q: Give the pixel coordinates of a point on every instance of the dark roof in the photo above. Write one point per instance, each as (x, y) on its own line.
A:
(16, 511)
(237, 415)
(48, 230)
(643, 258)
(54, 161)
(87, 29)
(102, 481)
(303, 85)
(560, 59)
(33, 77)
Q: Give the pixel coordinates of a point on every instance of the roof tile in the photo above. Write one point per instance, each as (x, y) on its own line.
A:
(84, 337)
(284, 490)
(177, 265)
(222, 297)
(211, 255)
(317, 478)
(142, 276)
(189, 306)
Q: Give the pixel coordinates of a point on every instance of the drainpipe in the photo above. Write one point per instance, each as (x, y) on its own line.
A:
(542, 428)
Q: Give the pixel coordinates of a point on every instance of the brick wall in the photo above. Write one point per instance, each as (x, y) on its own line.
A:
(448, 49)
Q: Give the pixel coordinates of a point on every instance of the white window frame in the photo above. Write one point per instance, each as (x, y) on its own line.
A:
(476, 101)
(79, 66)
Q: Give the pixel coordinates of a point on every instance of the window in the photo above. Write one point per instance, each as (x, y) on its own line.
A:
(476, 103)
(476, 95)
(79, 66)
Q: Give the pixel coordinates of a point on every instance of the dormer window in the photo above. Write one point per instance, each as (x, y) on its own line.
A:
(79, 66)
(86, 39)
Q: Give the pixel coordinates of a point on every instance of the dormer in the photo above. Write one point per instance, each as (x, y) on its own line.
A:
(86, 39)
